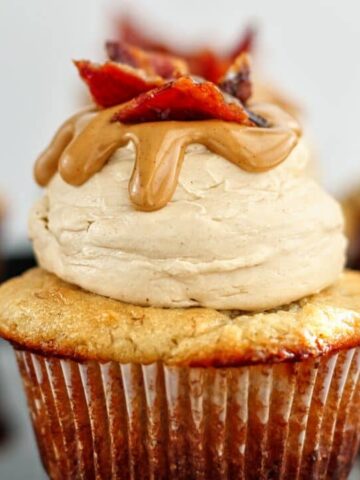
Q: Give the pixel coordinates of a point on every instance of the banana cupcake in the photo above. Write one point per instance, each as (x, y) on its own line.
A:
(190, 317)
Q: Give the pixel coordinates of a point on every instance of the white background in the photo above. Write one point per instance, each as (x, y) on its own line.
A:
(309, 47)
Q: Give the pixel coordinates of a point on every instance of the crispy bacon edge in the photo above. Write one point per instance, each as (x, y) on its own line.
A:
(114, 83)
(204, 62)
(153, 63)
(183, 99)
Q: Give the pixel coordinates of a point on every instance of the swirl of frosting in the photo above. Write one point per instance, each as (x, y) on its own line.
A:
(227, 239)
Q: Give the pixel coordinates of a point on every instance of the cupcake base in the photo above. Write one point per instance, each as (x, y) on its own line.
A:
(110, 420)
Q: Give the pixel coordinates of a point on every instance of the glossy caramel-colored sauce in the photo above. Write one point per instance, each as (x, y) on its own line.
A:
(48, 161)
(160, 150)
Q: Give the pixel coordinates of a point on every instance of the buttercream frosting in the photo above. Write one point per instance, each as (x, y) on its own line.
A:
(228, 239)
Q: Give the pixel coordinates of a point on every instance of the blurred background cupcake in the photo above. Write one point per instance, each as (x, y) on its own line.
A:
(351, 207)
(2, 218)
(4, 425)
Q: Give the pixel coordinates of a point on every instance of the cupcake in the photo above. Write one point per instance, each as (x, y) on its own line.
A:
(190, 317)
(351, 209)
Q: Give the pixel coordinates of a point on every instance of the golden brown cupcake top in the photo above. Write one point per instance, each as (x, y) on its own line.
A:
(42, 313)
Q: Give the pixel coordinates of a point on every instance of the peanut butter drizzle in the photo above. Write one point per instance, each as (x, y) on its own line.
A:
(160, 150)
(47, 163)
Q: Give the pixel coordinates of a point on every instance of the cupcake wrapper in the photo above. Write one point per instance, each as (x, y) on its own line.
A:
(124, 421)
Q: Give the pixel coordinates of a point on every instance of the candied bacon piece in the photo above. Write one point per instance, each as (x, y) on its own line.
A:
(132, 71)
(204, 62)
(236, 81)
(153, 63)
(113, 83)
(183, 99)
(121, 53)
(212, 66)
(168, 66)
(207, 64)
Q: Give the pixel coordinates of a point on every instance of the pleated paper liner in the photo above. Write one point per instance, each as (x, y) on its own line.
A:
(126, 421)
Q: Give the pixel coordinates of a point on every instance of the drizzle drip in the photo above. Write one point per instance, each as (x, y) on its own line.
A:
(160, 149)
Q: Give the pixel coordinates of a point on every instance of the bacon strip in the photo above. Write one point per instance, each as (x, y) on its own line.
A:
(153, 63)
(113, 83)
(204, 62)
(183, 99)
